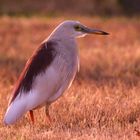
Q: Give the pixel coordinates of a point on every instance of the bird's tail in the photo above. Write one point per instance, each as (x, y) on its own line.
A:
(14, 112)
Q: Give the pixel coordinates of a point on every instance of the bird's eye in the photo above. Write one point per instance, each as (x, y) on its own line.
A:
(78, 28)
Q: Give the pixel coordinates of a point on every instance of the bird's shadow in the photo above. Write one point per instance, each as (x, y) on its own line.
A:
(99, 77)
(95, 74)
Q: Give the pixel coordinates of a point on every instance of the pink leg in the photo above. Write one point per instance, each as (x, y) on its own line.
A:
(48, 118)
(32, 116)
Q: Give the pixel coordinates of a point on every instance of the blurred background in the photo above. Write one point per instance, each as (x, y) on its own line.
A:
(104, 100)
(72, 7)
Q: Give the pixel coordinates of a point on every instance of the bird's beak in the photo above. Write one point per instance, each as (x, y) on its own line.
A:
(94, 31)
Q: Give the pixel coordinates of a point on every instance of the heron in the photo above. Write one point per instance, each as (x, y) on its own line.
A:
(48, 72)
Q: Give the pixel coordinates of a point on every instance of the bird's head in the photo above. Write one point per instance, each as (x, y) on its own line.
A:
(74, 29)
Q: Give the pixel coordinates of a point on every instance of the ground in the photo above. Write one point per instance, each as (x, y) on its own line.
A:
(103, 102)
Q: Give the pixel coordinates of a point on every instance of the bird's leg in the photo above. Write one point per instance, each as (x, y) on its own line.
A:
(48, 118)
(32, 116)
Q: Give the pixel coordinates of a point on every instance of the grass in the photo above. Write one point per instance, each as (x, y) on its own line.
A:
(103, 103)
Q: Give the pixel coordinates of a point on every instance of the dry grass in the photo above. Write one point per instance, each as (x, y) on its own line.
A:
(104, 100)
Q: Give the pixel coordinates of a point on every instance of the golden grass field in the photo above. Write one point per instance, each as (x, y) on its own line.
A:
(103, 102)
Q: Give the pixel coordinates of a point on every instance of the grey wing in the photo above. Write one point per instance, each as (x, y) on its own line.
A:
(26, 94)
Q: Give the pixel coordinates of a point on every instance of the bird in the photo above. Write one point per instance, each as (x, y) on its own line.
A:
(49, 72)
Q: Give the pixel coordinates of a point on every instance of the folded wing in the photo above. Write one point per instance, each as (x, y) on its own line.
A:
(37, 64)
